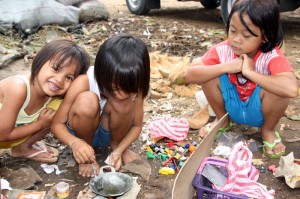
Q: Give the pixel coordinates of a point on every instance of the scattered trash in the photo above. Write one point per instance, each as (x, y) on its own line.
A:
(147, 33)
(4, 184)
(62, 190)
(202, 101)
(229, 139)
(289, 170)
(50, 168)
(257, 162)
(261, 168)
(34, 195)
(252, 145)
(272, 168)
(223, 151)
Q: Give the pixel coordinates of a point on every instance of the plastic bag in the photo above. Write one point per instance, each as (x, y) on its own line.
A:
(32, 14)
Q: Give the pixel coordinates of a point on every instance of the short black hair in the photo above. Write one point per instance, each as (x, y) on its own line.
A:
(62, 52)
(123, 61)
(263, 14)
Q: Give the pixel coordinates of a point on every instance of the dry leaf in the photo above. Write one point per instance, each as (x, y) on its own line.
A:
(199, 119)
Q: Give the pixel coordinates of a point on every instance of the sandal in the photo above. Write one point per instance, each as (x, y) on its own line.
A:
(271, 146)
(224, 129)
(40, 148)
(221, 130)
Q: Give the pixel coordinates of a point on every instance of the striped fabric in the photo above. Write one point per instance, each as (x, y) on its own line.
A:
(172, 128)
(242, 175)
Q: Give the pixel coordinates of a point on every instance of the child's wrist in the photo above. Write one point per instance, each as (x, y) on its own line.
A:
(72, 143)
(115, 153)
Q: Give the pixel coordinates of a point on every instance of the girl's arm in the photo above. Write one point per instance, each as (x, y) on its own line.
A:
(13, 93)
(282, 84)
(199, 73)
(82, 151)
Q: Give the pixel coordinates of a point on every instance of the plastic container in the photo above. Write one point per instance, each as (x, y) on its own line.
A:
(62, 190)
(202, 101)
(204, 186)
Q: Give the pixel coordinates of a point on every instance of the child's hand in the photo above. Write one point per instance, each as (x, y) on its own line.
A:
(46, 116)
(248, 65)
(115, 159)
(83, 152)
(235, 65)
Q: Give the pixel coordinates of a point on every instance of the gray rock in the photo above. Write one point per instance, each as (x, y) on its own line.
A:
(140, 167)
(92, 11)
(23, 178)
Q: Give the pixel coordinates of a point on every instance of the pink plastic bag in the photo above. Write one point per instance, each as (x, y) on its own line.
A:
(172, 128)
(242, 175)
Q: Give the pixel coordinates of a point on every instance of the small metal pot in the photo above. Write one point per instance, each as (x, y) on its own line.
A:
(110, 183)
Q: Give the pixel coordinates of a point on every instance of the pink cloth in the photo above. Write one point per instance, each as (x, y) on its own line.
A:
(172, 128)
(242, 175)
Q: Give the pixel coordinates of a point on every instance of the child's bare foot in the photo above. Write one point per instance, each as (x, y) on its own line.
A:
(273, 146)
(86, 170)
(204, 131)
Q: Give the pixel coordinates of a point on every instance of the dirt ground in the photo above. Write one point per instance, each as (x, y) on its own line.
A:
(183, 29)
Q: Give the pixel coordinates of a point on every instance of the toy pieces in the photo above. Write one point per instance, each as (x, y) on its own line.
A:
(166, 171)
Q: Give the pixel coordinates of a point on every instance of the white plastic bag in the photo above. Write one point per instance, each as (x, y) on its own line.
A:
(35, 13)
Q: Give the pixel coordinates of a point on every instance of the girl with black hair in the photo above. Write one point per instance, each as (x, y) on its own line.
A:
(247, 75)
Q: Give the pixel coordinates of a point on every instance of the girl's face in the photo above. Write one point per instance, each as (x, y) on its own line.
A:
(240, 39)
(55, 81)
(120, 96)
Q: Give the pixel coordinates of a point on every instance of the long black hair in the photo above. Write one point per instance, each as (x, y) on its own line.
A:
(123, 62)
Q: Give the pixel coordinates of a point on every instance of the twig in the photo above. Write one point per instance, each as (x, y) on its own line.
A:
(10, 57)
(293, 140)
(193, 131)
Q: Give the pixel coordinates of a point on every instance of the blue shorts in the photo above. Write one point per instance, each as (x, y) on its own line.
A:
(241, 112)
(101, 136)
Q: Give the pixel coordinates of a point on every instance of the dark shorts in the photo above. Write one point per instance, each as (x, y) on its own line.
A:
(241, 112)
(101, 136)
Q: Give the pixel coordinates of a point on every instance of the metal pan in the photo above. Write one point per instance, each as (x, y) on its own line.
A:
(110, 183)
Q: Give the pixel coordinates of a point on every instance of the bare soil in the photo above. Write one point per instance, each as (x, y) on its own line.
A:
(178, 29)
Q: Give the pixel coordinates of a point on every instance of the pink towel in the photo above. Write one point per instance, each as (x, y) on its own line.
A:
(172, 128)
(242, 175)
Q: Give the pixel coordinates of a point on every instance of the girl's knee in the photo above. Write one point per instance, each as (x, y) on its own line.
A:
(86, 103)
(210, 84)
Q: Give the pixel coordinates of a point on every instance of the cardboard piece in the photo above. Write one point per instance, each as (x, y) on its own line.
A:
(183, 188)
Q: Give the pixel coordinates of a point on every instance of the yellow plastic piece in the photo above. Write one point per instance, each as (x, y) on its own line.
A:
(149, 149)
(166, 171)
(177, 156)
